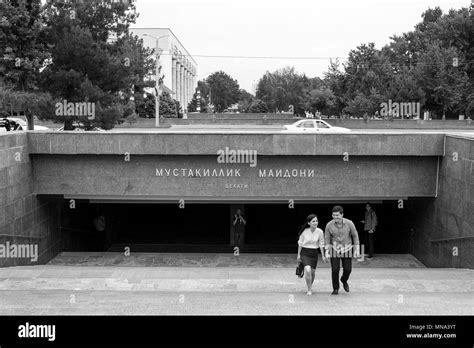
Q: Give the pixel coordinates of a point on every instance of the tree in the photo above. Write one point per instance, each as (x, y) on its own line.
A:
(24, 55)
(283, 88)
(145, 106)
(168, 106)
(364, 105)
(334, 79)
(258, 106)
(445, 86)
(86, 65)
(224, 91)
(414, 67)
(323, 100)
(470, 110)
(246, 100)
(203, 89)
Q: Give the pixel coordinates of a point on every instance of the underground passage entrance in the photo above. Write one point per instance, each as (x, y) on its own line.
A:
(208, 227)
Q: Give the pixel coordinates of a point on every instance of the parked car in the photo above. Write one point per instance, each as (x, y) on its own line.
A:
(15, 123)
(81, 128)
(313, 126)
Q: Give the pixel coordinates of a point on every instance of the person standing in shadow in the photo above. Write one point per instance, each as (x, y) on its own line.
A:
(370, 223)
(99, 235)
(239, 229)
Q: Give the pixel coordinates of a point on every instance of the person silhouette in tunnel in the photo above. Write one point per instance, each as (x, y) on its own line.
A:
(239, 228)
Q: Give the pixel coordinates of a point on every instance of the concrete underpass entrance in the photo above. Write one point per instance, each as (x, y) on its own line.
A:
(207, 227)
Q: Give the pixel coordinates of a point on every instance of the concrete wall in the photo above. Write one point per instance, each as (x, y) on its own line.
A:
(24, 219)
(380, 165)
(331, 178)
(445, 225)
(278, 144)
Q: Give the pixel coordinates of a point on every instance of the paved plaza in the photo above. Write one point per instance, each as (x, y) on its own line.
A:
(224, 284)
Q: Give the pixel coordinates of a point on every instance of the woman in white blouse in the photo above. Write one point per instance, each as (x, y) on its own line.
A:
(310, 239)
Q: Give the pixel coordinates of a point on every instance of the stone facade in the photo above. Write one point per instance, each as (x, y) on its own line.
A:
(444, 227)
(355, 144)
(435, 167)
(24, 219)
(274, 178)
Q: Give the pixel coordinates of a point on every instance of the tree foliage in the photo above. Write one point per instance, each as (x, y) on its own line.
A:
(75, 52)
(23, 54)
(87, 65)
(203, 89)
(283, 88)
(258, 106)
(223, 90)
(416, 66)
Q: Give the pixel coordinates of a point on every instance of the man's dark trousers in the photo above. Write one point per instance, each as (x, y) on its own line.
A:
(370, 241)
(336, 266)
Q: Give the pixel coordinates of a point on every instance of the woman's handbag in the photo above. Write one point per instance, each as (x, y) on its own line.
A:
(300, 270)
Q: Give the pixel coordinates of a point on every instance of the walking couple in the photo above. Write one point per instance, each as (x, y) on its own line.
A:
(336, 244)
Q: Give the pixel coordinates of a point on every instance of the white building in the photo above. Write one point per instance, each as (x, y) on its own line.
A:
(178, 66)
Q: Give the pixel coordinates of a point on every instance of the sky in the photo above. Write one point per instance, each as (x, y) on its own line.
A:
(266, 35)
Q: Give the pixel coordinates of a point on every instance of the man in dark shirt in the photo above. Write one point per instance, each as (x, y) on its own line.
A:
(342, 242)
(370, 223)
(239, 228)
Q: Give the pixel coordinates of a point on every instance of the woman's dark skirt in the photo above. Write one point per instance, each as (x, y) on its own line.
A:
(309, 257)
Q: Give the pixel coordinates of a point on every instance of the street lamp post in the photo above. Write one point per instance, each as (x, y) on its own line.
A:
(157, 81)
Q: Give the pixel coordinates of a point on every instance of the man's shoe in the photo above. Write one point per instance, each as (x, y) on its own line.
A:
(335, 292)
(345, 285)
(369, 258)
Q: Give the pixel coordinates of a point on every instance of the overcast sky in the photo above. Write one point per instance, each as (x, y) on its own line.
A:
(276, 28)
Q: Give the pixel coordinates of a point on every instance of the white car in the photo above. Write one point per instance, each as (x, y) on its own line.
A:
(22, 124)
(313, 126)
(81, 129)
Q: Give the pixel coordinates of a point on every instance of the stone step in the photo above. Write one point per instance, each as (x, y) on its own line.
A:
(219, 260)
(224, 280)
(202, 248)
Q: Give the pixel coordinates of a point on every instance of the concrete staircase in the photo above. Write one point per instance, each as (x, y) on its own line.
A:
(222, 284)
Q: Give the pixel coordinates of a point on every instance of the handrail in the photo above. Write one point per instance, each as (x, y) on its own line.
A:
(451, 239)
(41, 237)
(19, 236)
(73, 229)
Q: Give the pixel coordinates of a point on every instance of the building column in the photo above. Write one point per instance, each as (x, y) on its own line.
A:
(185, 94)
(181, 87)
(189, 89)
(191, 92)
(187, 86)
(178, 83)
(173, 77)
(192, 84)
